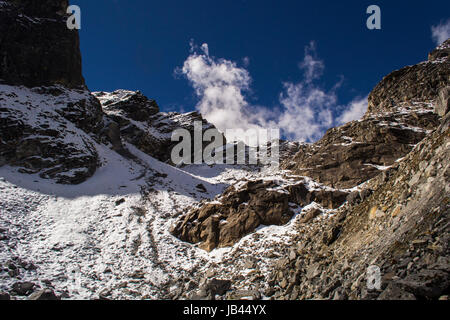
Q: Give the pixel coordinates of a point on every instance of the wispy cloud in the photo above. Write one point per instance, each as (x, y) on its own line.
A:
(354, 111)
(441, 32)
(307, 108)
(220, 84)
(312, 66)
(305, 111)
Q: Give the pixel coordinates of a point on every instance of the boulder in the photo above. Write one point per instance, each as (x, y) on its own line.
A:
(137, 120)
(46, 294)
(217, 287)
(5, 296)
(443, 103)
(23, 288)
(241, 211)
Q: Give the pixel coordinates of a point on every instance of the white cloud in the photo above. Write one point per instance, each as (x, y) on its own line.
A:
(220, 84)
(312, 66)
(305, 110)
(441, 32)
(354, 111)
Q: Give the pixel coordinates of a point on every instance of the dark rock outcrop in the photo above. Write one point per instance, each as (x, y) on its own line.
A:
(132, 105)
(45, 294)
(36, 47)
(138, 121)
(50, 131)
(23, 288)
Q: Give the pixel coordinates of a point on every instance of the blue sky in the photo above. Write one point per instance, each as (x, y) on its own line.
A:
(143, 45)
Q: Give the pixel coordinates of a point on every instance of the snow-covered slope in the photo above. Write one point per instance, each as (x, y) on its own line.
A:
(109, 236)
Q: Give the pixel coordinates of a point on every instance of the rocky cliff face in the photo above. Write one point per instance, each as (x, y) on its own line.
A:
(402, 228)
(419, 83)
(36, 47)
(137, 120)
(50, 124)
(400, 114)
(395, 216)
(373, 192)
(244, 208)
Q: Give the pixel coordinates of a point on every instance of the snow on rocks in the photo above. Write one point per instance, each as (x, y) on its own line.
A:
(109, 236)
(50, 131)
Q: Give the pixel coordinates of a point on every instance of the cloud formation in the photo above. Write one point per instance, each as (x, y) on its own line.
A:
(441, 32)
(354, 111)
(306, 107)
(220, 84)
(305, 111)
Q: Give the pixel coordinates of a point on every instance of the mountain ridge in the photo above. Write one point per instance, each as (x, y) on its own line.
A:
(92, 207)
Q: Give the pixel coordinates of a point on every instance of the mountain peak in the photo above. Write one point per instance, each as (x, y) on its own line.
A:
(441, 52)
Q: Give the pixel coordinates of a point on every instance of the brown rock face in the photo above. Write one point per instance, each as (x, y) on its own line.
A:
(402, 228)
(420, 82)
(240, 212)
(36, 47)
(349, 155)
(400, 115)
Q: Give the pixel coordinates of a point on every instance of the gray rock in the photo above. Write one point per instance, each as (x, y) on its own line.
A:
(46, 294)
(395, 292)
(218, 287)
(353, 198)
(23, 288)
(442, 105)
(5, 296)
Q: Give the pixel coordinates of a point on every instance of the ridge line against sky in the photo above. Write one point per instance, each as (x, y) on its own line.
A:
(305, 111)
(304, 75)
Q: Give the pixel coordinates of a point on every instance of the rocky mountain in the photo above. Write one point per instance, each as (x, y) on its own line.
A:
(92, 207)
(395, 216)
(50, 121)
(400, 114)
(401, 227)
(137, 120)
